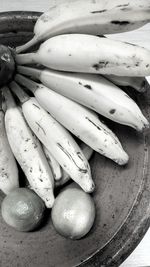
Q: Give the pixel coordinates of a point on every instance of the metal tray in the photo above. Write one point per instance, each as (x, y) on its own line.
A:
(122, 194)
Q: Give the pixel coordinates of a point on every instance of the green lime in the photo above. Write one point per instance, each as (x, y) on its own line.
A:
(22, 209)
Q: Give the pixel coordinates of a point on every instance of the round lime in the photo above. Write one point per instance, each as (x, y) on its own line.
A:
(22, 209)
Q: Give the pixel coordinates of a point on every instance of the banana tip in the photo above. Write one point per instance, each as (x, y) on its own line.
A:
(144, 128)
(89, 188)
(123, 160)
(49, 202)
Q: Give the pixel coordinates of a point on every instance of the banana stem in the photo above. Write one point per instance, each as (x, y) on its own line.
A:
(29, 84)
(24, 59)
(10, 103)
(32, 72)
(19, 92)
(26, 46)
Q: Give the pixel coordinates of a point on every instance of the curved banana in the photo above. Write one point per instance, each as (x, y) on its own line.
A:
(90, 54)
(79, 120)
(93, 91)
(57, 140)
(140, 84)
(55, 167)
(90, 17)
(28, 151)
(9, 179)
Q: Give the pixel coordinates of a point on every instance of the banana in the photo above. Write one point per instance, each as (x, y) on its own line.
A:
(90, 54)
(79, 120)
(94, 92)
(9, 179)
(91, 17)
(57, 140)
(140, 84)
(28, 151)
(55, 167)
(87, 151)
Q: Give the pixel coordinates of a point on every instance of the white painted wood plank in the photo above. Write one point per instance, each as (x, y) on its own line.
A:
(141, 255)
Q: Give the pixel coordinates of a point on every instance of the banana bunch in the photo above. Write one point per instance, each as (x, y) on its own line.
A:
(52, 122)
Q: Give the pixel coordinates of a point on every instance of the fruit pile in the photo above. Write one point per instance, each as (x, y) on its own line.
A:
(74, 77)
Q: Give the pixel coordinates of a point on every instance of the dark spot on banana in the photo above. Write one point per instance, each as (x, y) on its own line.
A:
(70, 55)
(28, 139)
(80, 83)
(96, 66)
(101, 36)
(101, 65)
(35, 146)
(147, 65)
(132, 45)
(40, 169)
(98, 11)
(121, 23)
(123, 5)
(97, 126)
(36, 106)
(25, 150)
(31, 169)
(137, 64)
(40, 127)
(79, 155)
(88, 86)
(71, 158)
(125, 9)
(112, 111)
(41, 180)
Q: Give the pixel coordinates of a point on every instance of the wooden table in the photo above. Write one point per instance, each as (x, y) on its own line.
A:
(141, 255)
